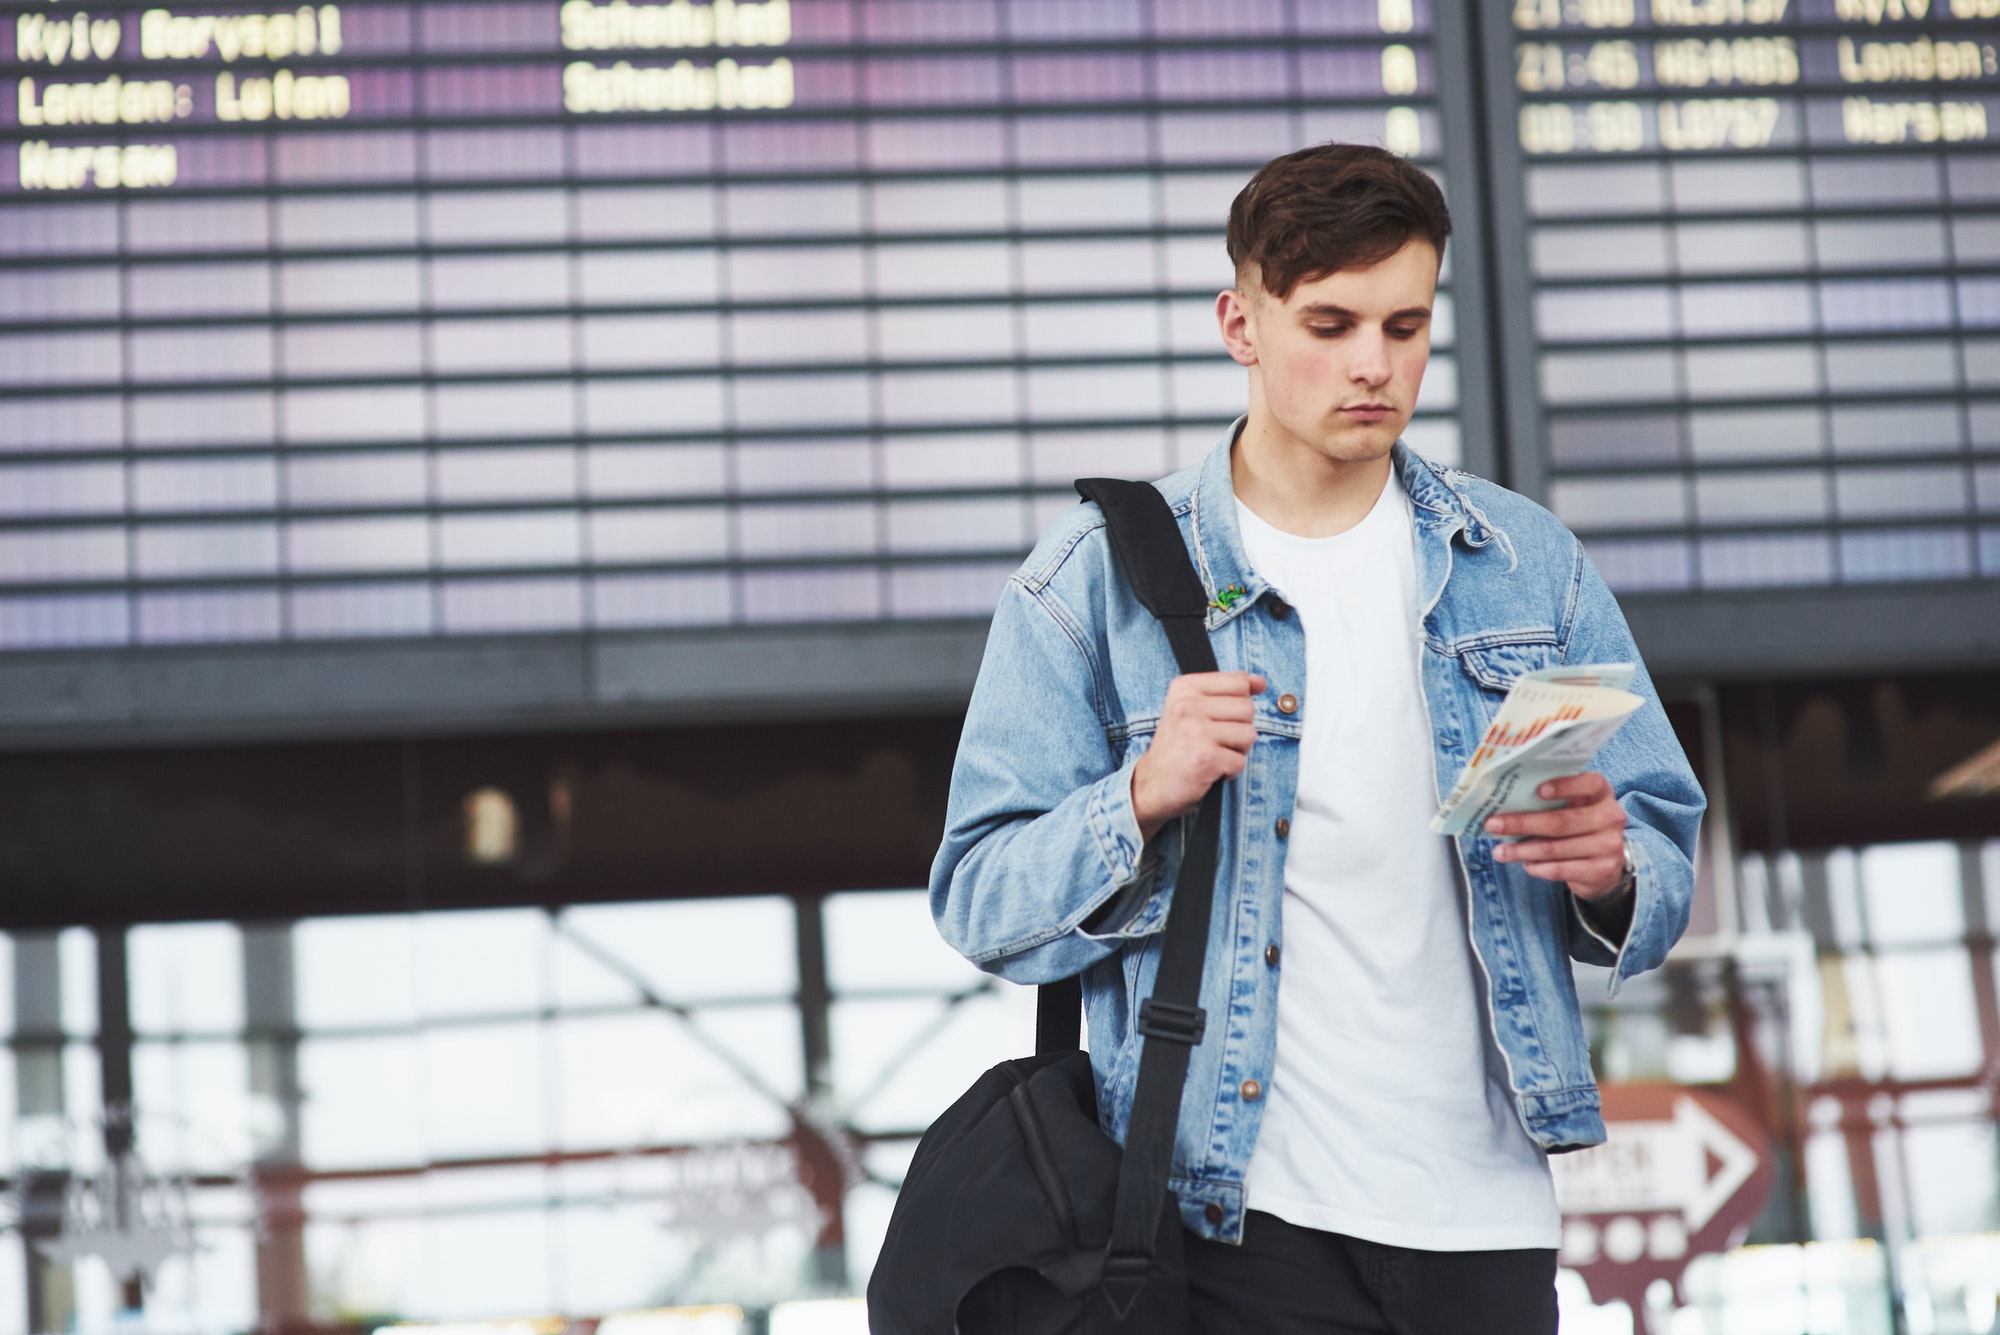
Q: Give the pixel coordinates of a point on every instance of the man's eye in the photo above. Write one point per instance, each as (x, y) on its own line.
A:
(1328, 330)
(1405, 330)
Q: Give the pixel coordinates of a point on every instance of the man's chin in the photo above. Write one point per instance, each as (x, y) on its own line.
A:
(1355, 444)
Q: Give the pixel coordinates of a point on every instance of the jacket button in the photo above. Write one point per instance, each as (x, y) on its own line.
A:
(1212, 1213)
(1280, 609)
(1252, 1091)
(1271, 955)
(1288, 704)
(1284, 827)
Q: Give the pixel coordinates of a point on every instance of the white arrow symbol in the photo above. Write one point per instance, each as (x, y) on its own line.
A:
(1660, 1165)
(1704, 1194)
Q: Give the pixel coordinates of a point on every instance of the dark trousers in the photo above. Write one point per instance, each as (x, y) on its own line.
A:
(1287, 1280)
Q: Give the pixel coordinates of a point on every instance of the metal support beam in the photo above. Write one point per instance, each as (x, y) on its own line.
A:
(114, 1040)
(1482, 406)
(114, 1062)
(819, 1163)
(303, 690)
(815, 997)
(38, 1094)
(1979, 933)
(283, 1290)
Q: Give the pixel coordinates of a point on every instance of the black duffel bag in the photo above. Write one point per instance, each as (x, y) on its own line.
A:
(1019, 1216)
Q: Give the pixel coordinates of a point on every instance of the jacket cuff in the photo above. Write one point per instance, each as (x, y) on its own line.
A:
(1115, 825)
(1619, 951)
(1608, 918)
(1136, 905)
(1609, 926)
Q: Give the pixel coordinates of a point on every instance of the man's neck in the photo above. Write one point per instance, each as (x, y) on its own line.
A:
(1296, 489)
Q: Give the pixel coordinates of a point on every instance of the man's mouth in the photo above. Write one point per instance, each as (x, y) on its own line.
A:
(1367, 412)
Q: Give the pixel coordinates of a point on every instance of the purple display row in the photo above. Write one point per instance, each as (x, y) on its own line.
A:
(1688, 188)
(1730, 18)
(1613, 127)
(536, 25)
(79, 99)
(1948, 57)
(751, 148)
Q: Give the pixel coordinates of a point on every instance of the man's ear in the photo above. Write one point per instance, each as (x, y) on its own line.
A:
(1232, 317)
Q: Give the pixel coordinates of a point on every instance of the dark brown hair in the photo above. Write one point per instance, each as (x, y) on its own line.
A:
(1331, 207)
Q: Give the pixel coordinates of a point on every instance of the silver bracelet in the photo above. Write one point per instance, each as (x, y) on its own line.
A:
(1628, 880)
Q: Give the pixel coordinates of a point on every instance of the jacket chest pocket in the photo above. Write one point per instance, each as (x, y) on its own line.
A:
(1494, 668)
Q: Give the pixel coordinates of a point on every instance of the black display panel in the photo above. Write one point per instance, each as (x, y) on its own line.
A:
(531, 317)
(339, 337)
(1759, 244)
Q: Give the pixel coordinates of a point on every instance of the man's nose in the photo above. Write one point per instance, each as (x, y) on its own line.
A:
(1371, 358)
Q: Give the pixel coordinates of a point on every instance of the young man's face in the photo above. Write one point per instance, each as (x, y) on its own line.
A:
(1335, 366)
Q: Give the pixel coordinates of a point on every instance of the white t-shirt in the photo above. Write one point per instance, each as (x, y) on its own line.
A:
(1388, 1114)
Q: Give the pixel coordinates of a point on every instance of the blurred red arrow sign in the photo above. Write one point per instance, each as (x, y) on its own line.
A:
(1691, 1163)
(1683, 1172)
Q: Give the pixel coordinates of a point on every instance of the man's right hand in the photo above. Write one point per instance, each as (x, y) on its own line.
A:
(1207, 728)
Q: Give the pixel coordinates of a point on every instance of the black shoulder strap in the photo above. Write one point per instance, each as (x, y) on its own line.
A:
(1155, 562)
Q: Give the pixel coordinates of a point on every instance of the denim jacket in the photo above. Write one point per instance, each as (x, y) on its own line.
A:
(1043, 873)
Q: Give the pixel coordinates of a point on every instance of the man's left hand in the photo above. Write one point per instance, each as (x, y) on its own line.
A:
(1581, 842)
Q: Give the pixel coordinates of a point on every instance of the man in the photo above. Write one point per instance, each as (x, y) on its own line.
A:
(1394, 1043)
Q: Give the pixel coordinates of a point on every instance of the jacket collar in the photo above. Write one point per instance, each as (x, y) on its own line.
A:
(1438, 495)
(1440, 507)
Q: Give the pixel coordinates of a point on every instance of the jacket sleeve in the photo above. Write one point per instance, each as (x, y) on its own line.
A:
(1654, 783)
(1042, 871)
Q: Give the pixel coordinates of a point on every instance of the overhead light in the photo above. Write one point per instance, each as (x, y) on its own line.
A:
(716, 1319)
(1975, 776)
(511, 1325)
(492, 829)
(833, 1316)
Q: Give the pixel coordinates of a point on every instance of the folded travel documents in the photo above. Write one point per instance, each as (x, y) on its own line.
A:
(1549, 726)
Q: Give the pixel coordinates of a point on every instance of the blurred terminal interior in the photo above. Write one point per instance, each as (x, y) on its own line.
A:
(497, 522)
(821, 813)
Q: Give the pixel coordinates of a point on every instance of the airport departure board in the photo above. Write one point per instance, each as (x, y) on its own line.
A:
(530, 316)
(1762, 239)
(619, 323)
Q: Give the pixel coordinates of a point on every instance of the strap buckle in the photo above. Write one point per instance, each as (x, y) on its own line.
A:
(1124, 1279)
(1172, 1022)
